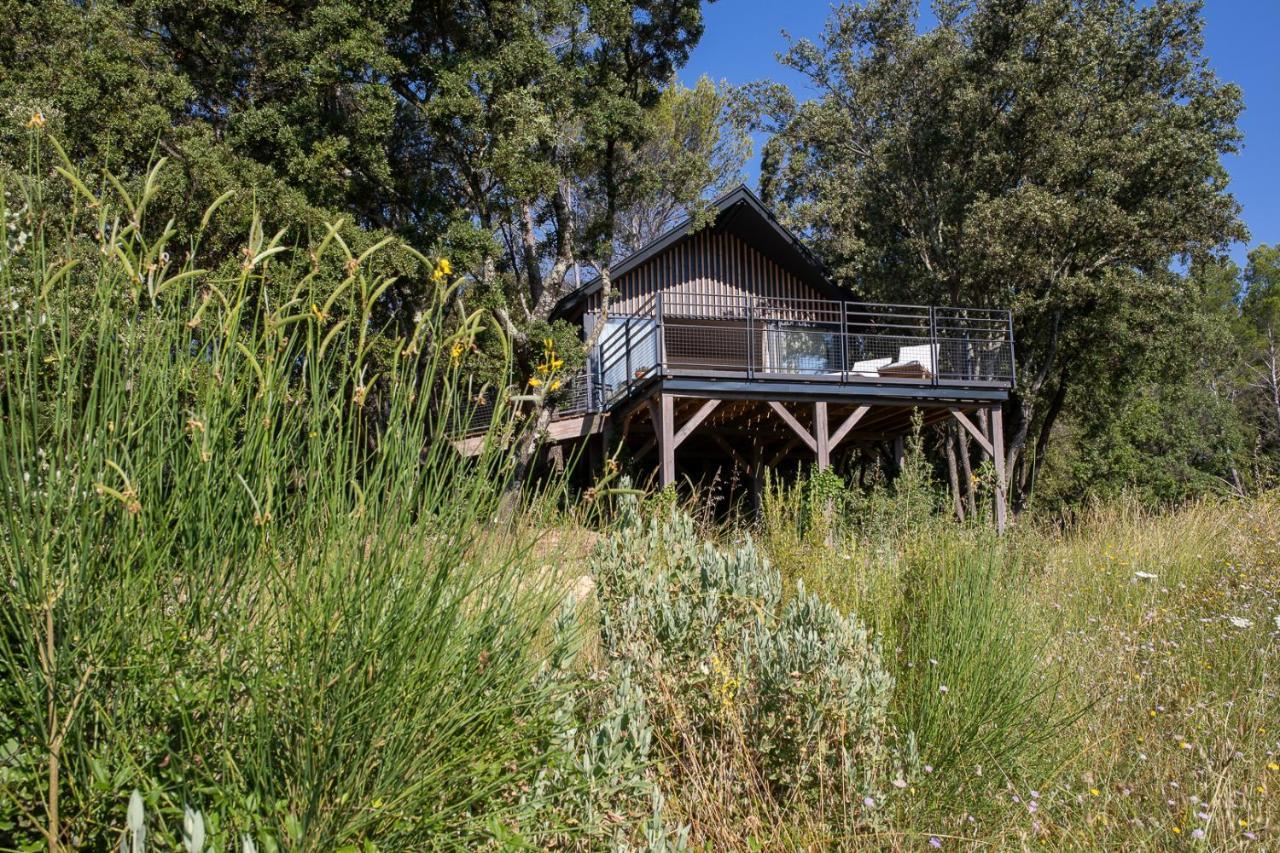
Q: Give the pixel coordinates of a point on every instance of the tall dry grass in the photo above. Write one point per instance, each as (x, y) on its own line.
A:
(244, 569)
(1110, 683)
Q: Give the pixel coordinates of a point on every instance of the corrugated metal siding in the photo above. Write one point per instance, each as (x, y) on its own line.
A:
(706, 275)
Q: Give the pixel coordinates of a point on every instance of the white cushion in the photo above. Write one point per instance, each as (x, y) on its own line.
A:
(870, 367)
(923, 354)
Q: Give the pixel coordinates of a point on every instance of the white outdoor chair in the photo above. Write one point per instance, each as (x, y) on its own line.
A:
(911, 360)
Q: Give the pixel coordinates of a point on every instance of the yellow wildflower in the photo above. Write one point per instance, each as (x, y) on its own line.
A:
(555, 385)
(36, 121)
(535, 382)
(1273, 767)
(442, 270)
(455, 351)
(1094, 791)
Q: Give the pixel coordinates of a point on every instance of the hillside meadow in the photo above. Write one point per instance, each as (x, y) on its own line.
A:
(254, 600)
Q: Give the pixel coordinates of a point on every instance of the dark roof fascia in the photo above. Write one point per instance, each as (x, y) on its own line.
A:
(722, 205)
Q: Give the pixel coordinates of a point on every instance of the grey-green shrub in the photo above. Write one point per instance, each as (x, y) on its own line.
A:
(599, 781)
(703, 633)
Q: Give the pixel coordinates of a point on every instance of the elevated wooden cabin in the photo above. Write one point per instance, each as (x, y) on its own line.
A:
(728, 342)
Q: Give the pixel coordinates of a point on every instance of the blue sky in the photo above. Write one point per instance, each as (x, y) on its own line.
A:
(743, 37)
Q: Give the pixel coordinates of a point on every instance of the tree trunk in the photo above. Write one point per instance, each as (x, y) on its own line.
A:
(966, 462)
(953, 474)
(1029, 467)
(1272, 365)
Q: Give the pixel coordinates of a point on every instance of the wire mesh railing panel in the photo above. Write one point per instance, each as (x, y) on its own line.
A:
(781, 309)
(472, 411)
(703, 306)
(975, 345)
(722, 348)
(576, 396)
(887, 320)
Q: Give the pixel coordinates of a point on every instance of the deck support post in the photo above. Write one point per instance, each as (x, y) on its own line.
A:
(821, 438)
(666, 440)
(996, 421)
(597, 451)
(974, 431)
(899, 455)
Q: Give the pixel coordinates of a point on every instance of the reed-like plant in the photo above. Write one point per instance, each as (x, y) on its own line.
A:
(244, 566)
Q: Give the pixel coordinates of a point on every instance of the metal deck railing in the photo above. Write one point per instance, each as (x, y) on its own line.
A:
(789, 340)
(803, 340)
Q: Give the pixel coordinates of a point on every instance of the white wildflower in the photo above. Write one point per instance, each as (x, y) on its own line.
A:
(192, 830)
(135, 815)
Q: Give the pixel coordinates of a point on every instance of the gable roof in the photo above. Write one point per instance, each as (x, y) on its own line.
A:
(740, 212)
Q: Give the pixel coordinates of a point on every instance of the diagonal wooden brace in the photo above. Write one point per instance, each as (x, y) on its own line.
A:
(974, 431)
(790, 420)
(694, 420)
(849, 423)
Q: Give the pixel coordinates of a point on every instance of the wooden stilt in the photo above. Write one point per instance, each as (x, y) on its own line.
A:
(596, 450)
(899, 454)
(607, 437)
(666, 440)
(997, 455)
(821, 437)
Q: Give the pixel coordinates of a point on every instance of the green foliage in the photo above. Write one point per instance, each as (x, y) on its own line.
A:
(598, 780)
(1109, 673)
(504, 137)
(1194, 410)
(1259, 330)
(1049, 157)
(694, 149)
(814, 509)
(795, 692)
